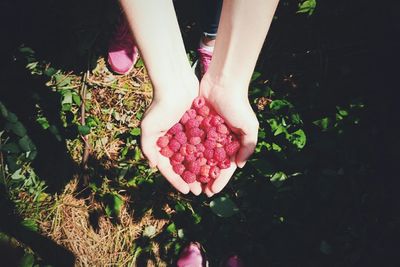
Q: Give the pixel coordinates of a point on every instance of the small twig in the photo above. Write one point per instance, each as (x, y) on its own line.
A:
(86, 151)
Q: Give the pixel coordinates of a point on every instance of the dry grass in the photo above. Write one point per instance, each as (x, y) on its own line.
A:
(109, 245)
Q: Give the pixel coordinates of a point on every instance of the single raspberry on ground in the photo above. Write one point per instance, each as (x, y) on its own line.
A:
(203, 179)
(181, 137)
(174, 145)
(219, 154)
(225, 164)
(232, 148)
(176, 128)
(166, 152)
(163, 141)
(189, 177)
(214, 172)
(178, 157)
(178, 168)
(199, 102)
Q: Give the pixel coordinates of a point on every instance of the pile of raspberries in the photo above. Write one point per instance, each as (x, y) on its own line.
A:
(200, 144)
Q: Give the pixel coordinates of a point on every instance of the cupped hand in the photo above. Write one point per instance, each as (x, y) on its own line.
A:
(167, 108)
(233, 106)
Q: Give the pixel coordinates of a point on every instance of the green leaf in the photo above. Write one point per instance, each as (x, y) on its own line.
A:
(278, 178)
(27, 260)
(67, 97)
(139, 63)
(77, 99)
(16, 128)
(171, 228)
(3, 110)
(279, 104)
(50, 71)
(135, 131)
(138, 153)
(25, 144)
(17, 175)
(30, 225)
(11, 148)
(323, 123)
(83, 129)
(307, 6)
(114, 204)
(255, 76)
(298, 138)
(223, 207)
(43, 122)
(179, 207)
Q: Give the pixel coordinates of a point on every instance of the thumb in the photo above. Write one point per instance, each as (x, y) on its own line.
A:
(248, 142)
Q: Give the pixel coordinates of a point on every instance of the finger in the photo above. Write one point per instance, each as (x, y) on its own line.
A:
(248, 144)
(175, 180)
(195, 188)
(149, 148)
(223, 178)
(207, 190)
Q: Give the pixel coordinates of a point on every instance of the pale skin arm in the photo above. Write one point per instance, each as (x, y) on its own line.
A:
(241, 34)
(160, 43)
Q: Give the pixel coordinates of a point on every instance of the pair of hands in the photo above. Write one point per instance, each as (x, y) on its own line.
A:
(168, 107)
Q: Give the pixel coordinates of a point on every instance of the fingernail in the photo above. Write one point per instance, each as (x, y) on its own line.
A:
(241, 165)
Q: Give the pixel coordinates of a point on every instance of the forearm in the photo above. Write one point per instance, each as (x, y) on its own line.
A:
(159, 40)
(241, 34)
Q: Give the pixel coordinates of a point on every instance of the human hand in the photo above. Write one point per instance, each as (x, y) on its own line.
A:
(167, 108)
(233, 106)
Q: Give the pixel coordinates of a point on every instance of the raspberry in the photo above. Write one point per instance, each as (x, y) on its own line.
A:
(230, 138)
(232, 148)
(192, 113)
(202, 161)
(203, 179)
(163, 141)
(221, 139)
(210, 144)
(204, 111)
(212, 162)
(199, 155)
(178, 157)
(192, 123)
(195, 140)
(206, 123)
(166, 152)
(189, 177)
(189, 158)
(208, 153)
(185, 118)
(174, 145)
(219, 154)
(199, 102)
(199, 118)
(178, 168)
(214, 172)
(187, 149)
(173, 162)
(181, 137)
(225, 164)
(193, 132)
(222, 129)
(200, 147)
(216, 120)
(212, 134)
(176, 128)
(205, 170)
(194, 167)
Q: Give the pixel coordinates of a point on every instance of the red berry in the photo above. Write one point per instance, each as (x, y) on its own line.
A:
(214, 172)
(189, 177)
(208, 153)
(187, 149)
(199, 102)
(219, 154)
(205, 170)
(178, 168)
(216, 120)
(195, 140)
(185, 118)
(225, 164)
(190, 158)
(193, 132)
(199, 118)
(202, 161)
(178, 157)
(206, 123)
(192, 113)
(174, 145)
(210, 144)
(200, 147)
(192, 123)
(176, 128)
(181, 137)
(173, 162)
(193, 166)
(166, 152)
(232, 148)
(221, 139)
(163, 141)
(203, 179)
(212, 134)
(222, 129)
(204, 111)
(212, 162)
